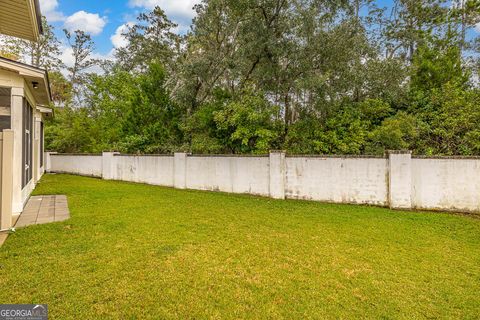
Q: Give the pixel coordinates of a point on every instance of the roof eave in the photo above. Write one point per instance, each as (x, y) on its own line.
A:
(38, 14)
(30, 71)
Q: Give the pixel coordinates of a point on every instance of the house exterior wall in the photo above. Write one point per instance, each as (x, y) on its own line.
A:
(17, 103)
(396, 180)
(10, 79)
(19, 91)
(6, 158)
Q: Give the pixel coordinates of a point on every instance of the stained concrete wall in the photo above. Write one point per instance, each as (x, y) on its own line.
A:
(400, 179)
(396, 180)
(277, 174)
(336, 179)
(228, 174)
(157, 170)
(82, 164)
(446, 184)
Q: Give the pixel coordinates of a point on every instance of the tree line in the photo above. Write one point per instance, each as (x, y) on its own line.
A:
(306, 76)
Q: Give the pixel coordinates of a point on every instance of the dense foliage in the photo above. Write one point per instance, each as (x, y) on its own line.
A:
(307, 76)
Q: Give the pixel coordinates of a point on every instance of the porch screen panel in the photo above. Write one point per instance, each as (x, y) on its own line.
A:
(41, 144)
(27, 148)
(5, 108)
(24, 138)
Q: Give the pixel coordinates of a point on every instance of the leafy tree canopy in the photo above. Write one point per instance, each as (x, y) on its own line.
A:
(307, 76)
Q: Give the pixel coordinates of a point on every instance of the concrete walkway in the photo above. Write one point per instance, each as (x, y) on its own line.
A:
(39, 210)
(44, 209)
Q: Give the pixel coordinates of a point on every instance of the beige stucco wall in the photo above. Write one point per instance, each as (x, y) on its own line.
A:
(10, 79)
(6, 158)
(19, 91)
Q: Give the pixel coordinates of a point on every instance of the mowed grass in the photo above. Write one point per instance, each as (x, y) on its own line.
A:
(133, 251)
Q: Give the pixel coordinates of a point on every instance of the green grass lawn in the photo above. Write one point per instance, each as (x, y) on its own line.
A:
(135, 251)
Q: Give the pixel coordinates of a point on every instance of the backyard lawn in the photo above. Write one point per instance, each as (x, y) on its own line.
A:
(134, 251)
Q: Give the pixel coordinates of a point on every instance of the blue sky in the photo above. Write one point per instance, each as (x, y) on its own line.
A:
(105, 19)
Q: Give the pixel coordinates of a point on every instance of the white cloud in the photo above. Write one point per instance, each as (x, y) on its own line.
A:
(88, 22)
(49, 5)
(49, 10)
(179, 8)
(118, 40)
(477, 27)
(67, 56)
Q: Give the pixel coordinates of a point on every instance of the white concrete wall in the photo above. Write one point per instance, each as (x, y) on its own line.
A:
(86, 165)
(446, 184)
(179, 170)
(343, 180)
(157, 170)
(400, 179)
(397, 181)
(278, 169)
(228, 174)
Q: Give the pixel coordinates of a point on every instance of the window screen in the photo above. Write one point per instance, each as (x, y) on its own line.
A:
(27, 148)
(41, 144)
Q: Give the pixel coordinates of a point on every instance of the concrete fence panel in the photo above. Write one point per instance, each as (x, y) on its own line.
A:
(337, 179)
(400, 179)
(278, 171)
(154, 169)
(446, 184)
(81, 164)
(179, 170)
(228, 174)
(396, 180)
